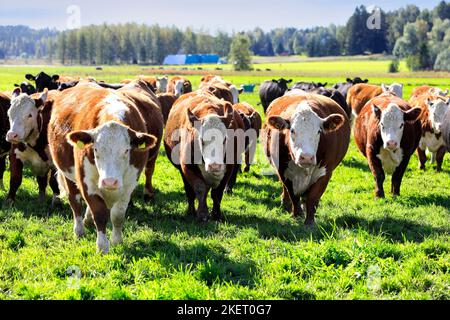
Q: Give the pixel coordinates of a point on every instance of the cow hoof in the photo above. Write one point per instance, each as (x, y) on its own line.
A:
(310, 224)
(191, 212)
(88, 222)
(56, 202)
(41, 199)
(9, 202)
(247, 169)
(116, 238)
(78, 228)
(149, 197)
(102, 243)
(229, 191)
(218, 216)
(202, 219)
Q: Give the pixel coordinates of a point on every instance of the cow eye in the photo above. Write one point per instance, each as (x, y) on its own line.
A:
(402, 125)
(30, 115)
(292, 131)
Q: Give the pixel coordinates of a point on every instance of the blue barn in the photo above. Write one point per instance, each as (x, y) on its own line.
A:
(182, 59)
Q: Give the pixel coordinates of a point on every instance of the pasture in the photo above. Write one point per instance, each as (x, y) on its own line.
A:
(360, 248)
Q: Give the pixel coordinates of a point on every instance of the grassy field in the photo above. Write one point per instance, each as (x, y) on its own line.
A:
(361, 248)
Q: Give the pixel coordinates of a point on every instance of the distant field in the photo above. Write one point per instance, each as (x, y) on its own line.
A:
(361, 248)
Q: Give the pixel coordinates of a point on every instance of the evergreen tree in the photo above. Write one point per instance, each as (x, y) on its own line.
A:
(240, 55)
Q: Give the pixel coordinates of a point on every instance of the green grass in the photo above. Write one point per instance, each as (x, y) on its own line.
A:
(361, 248)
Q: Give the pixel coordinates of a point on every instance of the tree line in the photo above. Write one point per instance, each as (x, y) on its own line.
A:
(422, 37)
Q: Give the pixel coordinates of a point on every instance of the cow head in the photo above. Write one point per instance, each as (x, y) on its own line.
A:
(23, 116)
(357, 80)
(26, 87)
(179, 86)
(43, 81)
(283, 83)
(235, 92)
(112, 144)
(212, 137)
(305, 129)
(436, 112)
(161, 84)
(392, 122)
(395, 89)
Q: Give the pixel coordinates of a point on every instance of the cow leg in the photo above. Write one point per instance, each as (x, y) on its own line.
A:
(313, 197)
(296, 207)
(422, 158)
(53, 182)
(440, 158)
(433, 158)
(16, 169)
(190, 193)
(88, 220)
(377, 170)
(2, 171)
(217, 195)
(201, 192)
(286, 200)
(101, 215)
(117, 218)
(232, 180)
(149, 191)
(42, 183)
(76, 206)
(397, 176)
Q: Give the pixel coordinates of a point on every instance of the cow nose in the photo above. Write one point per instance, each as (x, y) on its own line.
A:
(110, 183)
(392, 145)
(306, 158)
(214, 168)
(12, 136)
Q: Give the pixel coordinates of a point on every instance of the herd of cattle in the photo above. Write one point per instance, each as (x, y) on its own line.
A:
(91, 140)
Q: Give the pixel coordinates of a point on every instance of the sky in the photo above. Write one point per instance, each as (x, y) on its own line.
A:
(210, 16)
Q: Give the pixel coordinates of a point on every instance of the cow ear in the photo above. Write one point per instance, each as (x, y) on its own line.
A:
(192, 118)
(429, 103)
(141, 141)
(241, 91)
(41, 101)
(376, 111)
(55, 77)
(278, 123)
(16, 92)
(275, 81)
(325, 84)
(16, 85)
(30, 77)
(384, 88)
(80, 139)
(349, 80)
(332, 122)
(289, 81)
(413, 114)
(366, 81)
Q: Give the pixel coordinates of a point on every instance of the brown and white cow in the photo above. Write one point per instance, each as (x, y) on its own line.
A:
(101, 140)
(201, 143)
(166, 100)
(252, 126)
(433, 108)
(305, 138)
(5, 146)
(359, 94)
(179, 86)
(428, 90)
(387, 132)
(210, 80)
(28, 118)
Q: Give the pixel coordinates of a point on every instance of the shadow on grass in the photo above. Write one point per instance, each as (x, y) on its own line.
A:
(209, 263)
(355, 163)
(394, 229)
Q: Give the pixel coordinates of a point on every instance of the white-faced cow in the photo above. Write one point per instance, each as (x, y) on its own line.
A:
(387, 132)
(200, 142)
(5, 146)
(28, 118)
(433, 108)
(101, 140)
(305, 138)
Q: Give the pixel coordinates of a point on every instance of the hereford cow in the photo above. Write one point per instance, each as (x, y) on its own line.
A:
(101, 140)
(271, 90)
(28, 118)
(179, 86)
(387, 132)
(427, 90)
(209, 80)
(200, 142)
(433, 108)
(166, 100)
(360, 94)
(5, 146)
(344, 87)
(305, 138)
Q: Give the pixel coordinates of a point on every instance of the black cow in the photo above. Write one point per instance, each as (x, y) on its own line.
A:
(336, 96)
(26, 87)
(446, 130)
(345, 86)
(309, 86)
(70, 84)
(271, 90)
(43, 81)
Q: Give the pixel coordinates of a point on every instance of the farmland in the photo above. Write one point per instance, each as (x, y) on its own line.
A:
(360, 248)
